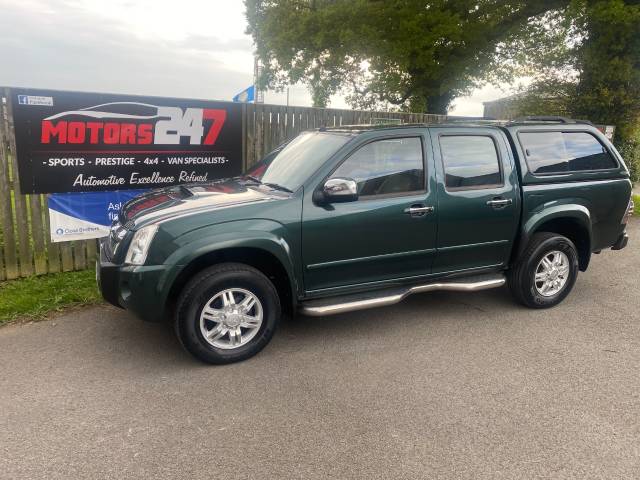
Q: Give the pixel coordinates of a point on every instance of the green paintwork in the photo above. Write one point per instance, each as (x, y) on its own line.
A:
(369, 240)
(331, 249)
(598, 200)
(472, 234)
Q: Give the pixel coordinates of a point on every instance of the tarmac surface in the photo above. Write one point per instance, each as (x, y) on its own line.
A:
(442, 386)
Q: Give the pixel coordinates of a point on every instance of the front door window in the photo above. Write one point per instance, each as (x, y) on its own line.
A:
(386, 167)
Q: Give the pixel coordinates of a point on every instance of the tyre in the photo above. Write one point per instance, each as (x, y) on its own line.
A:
(227, 313)
(546, 271)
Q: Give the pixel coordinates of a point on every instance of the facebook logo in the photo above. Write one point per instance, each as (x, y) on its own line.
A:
(35, 100)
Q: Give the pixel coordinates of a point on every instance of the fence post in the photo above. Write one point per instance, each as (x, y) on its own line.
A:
(10, 260)
(19, 200)
(250, 135)
(244, 137)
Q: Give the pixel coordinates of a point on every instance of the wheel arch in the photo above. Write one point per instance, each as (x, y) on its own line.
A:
(263, 259)
(573, 222)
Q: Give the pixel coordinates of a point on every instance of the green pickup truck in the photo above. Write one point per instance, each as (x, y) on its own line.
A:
(354, 217)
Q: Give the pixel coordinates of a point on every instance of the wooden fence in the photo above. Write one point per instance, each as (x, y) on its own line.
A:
(25, 246)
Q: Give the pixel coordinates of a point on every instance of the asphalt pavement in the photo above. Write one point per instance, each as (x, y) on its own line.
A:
(442, 386)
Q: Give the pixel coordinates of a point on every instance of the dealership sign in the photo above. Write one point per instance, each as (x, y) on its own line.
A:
(78, 142)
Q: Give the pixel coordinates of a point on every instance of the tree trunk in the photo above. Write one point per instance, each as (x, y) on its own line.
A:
(438, 104)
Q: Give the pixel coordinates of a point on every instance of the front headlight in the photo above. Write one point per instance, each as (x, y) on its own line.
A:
(139, 246)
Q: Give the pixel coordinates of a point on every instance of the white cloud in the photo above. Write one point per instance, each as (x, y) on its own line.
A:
(191, 48)
(471, 106)
(65, 46)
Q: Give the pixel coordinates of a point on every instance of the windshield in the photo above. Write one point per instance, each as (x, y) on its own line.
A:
(291, 164)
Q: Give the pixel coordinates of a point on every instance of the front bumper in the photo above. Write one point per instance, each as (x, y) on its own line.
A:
(138, 289)
(621, 242)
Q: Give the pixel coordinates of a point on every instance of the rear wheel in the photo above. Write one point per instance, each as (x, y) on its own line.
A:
(546, 272)
(227, 313)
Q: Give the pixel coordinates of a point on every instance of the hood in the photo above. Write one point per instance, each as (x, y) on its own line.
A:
(170, 202)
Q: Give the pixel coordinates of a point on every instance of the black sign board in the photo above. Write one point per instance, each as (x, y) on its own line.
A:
(75, 142)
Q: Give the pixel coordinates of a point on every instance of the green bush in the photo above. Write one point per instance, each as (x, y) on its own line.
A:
(630, 152)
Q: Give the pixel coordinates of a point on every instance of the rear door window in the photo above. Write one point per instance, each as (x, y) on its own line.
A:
(564, 152)
(470, 161)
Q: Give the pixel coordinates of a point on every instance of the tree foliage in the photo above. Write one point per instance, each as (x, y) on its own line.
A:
(608, 59)
(415, 54)
(582, 55)
(599, 75)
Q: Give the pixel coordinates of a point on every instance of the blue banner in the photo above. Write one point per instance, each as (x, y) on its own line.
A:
(82, 215)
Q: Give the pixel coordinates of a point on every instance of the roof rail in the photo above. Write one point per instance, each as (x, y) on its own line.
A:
(542, 118)
(549, 118)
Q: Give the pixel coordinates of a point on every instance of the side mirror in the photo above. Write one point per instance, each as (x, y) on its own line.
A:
(340, 190)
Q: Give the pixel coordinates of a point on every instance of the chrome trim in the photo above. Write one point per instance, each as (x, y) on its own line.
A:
(350, 306)
(415, 210)
(393, 282)
(472, 245)
(117, 233)
(501, 202)
(347, 261)
(339, 187)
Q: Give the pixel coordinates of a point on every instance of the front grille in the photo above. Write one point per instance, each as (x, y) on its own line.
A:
(116, 236)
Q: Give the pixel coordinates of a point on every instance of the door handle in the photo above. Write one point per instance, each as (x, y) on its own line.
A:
(418, 210)
(499, 202)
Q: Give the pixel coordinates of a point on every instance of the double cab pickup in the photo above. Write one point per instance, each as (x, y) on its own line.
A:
(347, 218)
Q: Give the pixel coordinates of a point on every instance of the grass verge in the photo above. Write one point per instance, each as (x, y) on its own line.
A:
(36, 297)
(636, 203)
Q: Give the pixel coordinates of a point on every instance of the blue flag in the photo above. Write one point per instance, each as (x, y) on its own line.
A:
(248, 95)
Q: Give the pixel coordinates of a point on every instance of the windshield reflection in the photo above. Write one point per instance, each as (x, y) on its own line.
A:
(292, 163)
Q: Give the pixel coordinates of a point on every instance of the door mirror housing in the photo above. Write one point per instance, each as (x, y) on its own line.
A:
(337, 190)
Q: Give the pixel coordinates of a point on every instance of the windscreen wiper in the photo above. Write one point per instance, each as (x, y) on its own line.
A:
(186, 191)
(275, 186)
(254, 179)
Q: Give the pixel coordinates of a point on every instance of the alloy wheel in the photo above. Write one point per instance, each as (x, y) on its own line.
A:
(552, 273)
(231, 318)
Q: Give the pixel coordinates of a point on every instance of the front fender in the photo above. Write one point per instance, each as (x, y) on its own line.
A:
(266, 235)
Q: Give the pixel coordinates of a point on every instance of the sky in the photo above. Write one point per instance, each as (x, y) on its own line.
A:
(186, 48)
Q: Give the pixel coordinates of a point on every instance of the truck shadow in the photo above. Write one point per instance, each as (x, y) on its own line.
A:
(416, 310)
(140, 342)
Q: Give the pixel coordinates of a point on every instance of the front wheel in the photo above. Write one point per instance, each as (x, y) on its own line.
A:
(546, 272)
(227, 313)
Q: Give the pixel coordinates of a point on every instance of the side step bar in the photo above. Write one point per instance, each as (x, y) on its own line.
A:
(381, 298)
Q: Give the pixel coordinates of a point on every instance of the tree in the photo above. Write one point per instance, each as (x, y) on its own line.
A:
(414, 54)
(599, 76)
(583, 55)
(608, 59)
